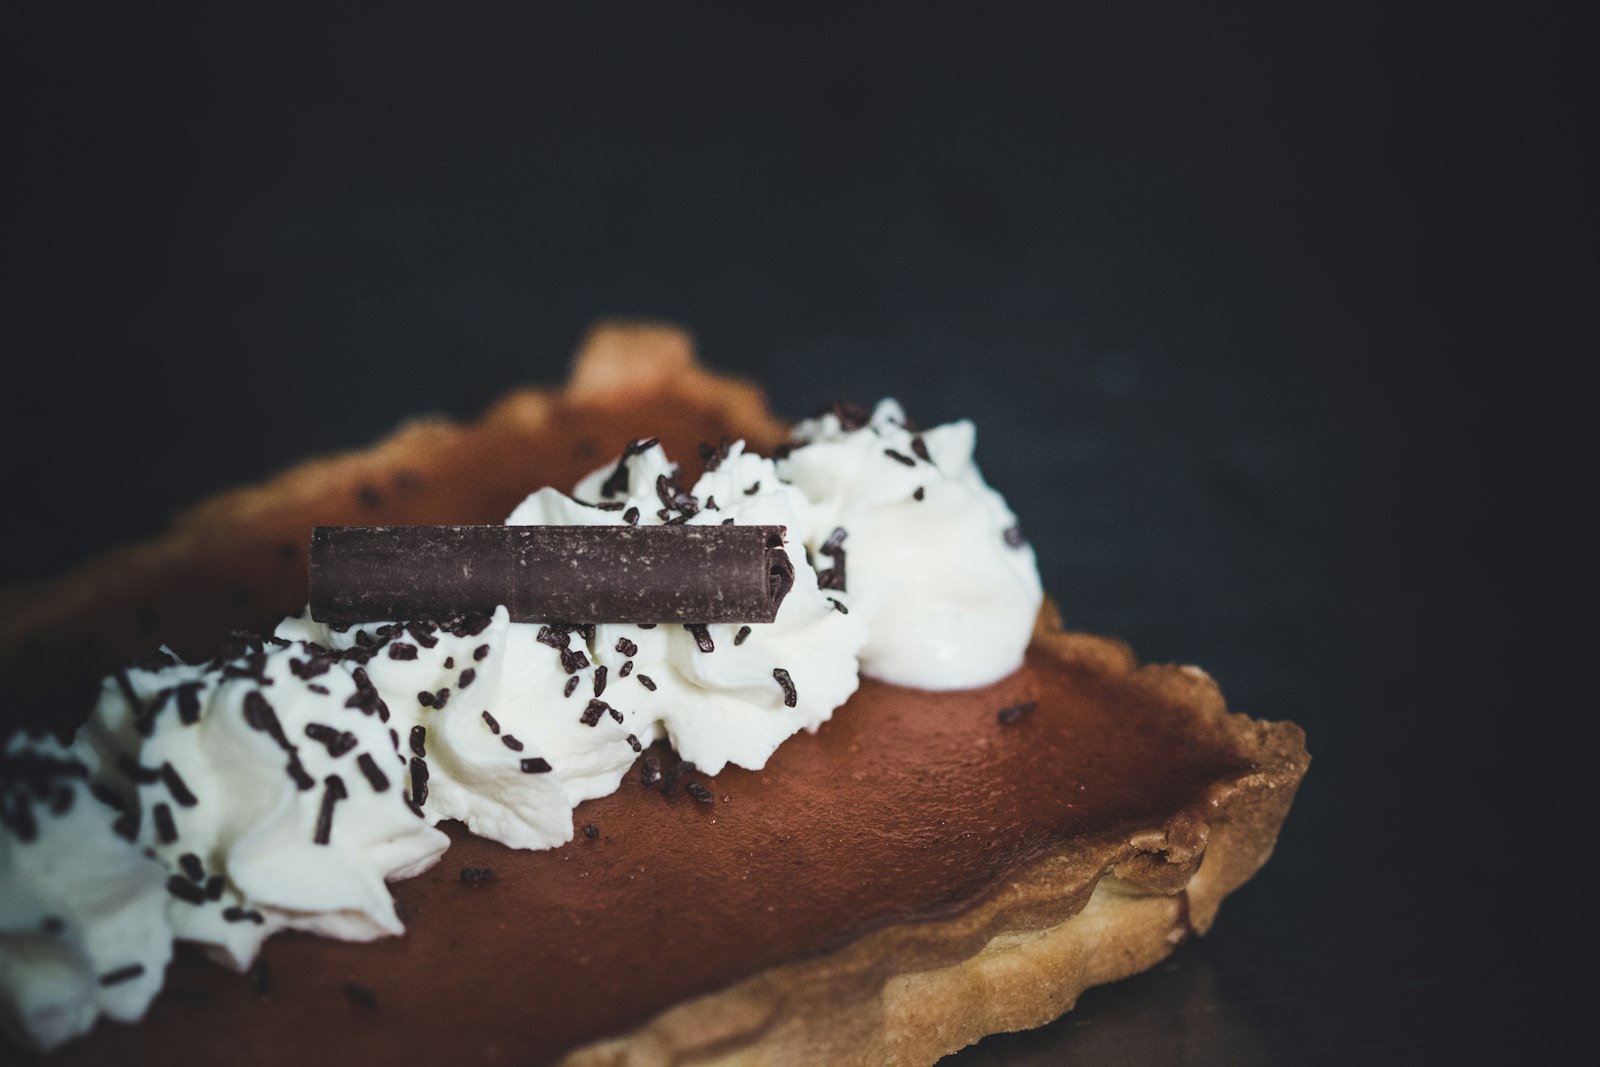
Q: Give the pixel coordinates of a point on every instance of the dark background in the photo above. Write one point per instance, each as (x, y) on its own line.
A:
(1267, 319)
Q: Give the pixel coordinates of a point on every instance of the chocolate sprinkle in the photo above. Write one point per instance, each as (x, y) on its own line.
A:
(126, 825)
(468, 676)
(449, 663)
(572, 662)
(633, 743)
(476, 876)
(375, 777)
(626, 669)
(191, 866)
(125, 684)
(137, 772)
(306, 669)
(361, 995)
(711, 457)
(297, 772)
(617, 481)
(1010, 715)
(920, 448)
(366, 696)
(402, 650)
(122, 974)
(177, 786)
(243, 915)
(337, 742)
(188, 694)
(494, 724)
(62, 800)
(626, 647)
(19, 816)
(781, 676)
(166, 829)
(594, 712)
(591, 831)
(650, 769)
(900, 457)
(422, 633)
(599, 679)
(106, 795)
(631, 516)
(570, 687)
(480, 652)
(418, 740)
(753, 490)
(840, 608)
(919, 494)
(333, 792)
(535, 765)
(647, 682)
(702, 636)
(214, 887)
(851, 415)
(744, 632)
(419, 782)
(833, 548)
(258, 714)
(699, 792)
(185, 890)
(669, 784)
(1013, 536)
(511, 742)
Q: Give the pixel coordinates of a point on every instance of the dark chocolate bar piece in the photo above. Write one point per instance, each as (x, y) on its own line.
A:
(677, 573)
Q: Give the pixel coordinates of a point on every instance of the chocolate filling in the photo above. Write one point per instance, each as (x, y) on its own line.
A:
(1098, 757)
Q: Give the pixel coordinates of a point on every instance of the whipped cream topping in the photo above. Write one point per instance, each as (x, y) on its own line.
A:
(271, 784)
(283, 783)
(83, 925)
(932, 557)
(519, 723)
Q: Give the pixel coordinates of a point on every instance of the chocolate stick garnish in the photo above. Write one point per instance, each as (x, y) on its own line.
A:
(656, 574)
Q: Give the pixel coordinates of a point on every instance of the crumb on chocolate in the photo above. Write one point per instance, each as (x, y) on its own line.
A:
(476, 876)
(1008, 716)
(361, 995)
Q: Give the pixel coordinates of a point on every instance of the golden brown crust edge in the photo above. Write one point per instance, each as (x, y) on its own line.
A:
(1073, 919)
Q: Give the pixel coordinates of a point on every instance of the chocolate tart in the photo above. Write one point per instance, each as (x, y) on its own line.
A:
(926, 869)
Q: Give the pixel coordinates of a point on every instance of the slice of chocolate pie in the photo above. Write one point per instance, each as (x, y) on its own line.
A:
(925, 868)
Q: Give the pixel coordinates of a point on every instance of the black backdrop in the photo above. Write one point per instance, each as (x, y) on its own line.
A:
(1265, 318)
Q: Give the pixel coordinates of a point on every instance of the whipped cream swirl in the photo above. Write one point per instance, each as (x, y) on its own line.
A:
(83, 913)
(933, 559)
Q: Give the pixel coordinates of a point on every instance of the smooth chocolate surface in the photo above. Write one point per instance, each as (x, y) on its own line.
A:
(908, 806)
(617, 573)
